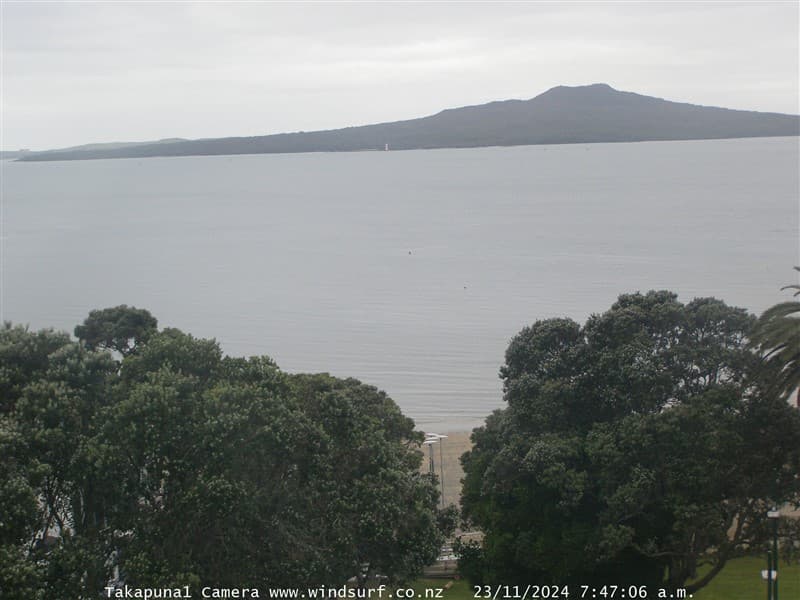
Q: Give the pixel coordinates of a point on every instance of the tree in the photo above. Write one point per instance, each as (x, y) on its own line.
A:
(19, 572)
(777, 337)
(206, 467)
(302, 480)
(119, 328)
(24, 356)
(55, 390)
(378, 511)
(633, 449)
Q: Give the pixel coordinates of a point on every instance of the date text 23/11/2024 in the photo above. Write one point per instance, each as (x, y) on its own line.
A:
(555, 592)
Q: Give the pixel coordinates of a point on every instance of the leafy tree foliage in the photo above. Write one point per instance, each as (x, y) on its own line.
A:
(18, 477)
(633, 449)
(52, 390)
(181, 466)
(778, 338)
(119, 328)
(374, 469)
(24, 356)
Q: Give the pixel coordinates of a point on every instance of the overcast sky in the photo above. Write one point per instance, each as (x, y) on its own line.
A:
(81, 72)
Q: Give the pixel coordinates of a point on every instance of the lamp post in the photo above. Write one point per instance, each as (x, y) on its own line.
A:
(772, 557)
(429, 443)
(768, 574)
(438, 437)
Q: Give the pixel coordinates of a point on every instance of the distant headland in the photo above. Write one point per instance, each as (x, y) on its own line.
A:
(562, 115)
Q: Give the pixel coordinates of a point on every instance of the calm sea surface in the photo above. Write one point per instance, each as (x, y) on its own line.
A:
(409, 270)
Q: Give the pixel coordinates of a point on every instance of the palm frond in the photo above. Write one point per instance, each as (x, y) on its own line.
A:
(777, 337)
(793, 286)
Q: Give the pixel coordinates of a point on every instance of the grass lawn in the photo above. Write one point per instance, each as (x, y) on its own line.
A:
(739, 580)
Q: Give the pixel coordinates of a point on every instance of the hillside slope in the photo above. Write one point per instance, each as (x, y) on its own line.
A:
(561, 115)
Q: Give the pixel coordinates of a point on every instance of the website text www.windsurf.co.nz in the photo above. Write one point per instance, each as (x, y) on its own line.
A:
(351, 593)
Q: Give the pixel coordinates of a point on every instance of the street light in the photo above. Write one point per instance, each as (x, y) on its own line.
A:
(429, 443)
(772, 557)
(433, 438)
(438, 437)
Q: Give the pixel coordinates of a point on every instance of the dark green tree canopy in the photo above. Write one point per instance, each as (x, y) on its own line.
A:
(119, 328)
(24, 356)
(179, 466)
(633, 449)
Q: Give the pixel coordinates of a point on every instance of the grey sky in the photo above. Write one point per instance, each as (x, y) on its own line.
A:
(76, 73)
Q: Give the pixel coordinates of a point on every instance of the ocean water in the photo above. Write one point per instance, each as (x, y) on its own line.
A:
(408, 270)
